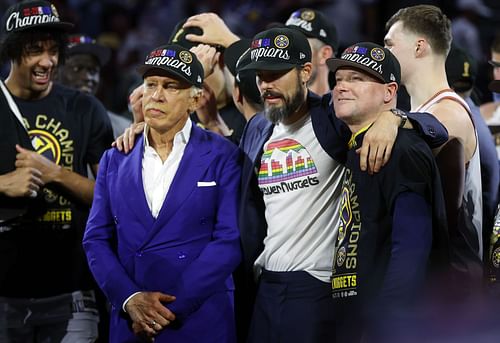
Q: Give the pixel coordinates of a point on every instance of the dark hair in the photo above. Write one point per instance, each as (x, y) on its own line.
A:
(13, 45)
(428, 21)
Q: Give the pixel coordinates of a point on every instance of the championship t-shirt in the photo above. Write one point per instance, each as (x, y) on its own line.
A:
(300, 184)
(43, 256)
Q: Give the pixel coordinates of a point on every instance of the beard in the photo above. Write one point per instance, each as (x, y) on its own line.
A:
(278, 113)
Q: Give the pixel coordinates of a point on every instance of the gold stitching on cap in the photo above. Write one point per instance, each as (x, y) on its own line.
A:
(54, 10)
(377, 54)
(185, 56)
(307, 15)
(281, 41)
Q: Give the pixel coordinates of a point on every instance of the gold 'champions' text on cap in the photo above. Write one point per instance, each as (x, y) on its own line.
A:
(31, 16)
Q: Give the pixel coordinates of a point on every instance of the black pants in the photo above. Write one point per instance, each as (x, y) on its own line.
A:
(292, 307)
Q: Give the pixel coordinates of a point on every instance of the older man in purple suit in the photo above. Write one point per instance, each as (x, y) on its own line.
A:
(162, 237)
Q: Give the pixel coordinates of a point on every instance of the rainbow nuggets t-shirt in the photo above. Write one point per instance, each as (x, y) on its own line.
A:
(300, 184)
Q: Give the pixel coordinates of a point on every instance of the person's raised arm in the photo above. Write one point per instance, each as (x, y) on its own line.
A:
(215, 31)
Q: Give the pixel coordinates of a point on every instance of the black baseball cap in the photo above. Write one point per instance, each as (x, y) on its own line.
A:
(370, 58)
(234, 52)
(278, 49)
(460, 70)
(314, 24)
(79, 44)
(31, 14)
(176, 60)
(236, 57)
(494, 64)
(494, 86)
(178, 35)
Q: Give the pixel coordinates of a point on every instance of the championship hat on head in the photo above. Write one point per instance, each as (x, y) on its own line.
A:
(81, 44)
(460, 70)
(176, 60)
(314, 25)
(234, 52)
(278, 49)
(370, 58)
(236, 57)
(32, 15)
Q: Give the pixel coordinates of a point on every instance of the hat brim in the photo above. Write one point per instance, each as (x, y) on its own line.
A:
(233, 53)
(267, 65)
(335, 63)
(143, 69)
(60, 25)
(100, 52)
(494, 86)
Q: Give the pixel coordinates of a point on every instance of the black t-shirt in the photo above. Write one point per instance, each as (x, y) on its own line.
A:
(43, 256)
(363, 248)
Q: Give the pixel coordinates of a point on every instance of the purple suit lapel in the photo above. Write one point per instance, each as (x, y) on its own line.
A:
(194, 163)
(135, 197)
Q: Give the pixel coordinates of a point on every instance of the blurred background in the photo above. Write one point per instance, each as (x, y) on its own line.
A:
(131, 28)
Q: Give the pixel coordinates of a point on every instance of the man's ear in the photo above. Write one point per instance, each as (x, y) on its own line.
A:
(325, 52)
(305, 72)
(390, 92)
(421, 47)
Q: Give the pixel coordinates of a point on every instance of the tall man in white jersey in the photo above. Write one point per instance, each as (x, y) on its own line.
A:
(420, 37)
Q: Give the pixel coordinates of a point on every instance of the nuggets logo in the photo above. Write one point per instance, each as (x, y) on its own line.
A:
(345, 213)
(341, 255)
(495, 257)
(377, 54)
(46, 145)
(186, 57)
(307, 15)
(53, 140)
(285, 166)
(345, 264)
(281, 41)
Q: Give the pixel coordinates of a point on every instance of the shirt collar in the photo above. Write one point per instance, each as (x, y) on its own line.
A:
(356, 138)
(181, 137)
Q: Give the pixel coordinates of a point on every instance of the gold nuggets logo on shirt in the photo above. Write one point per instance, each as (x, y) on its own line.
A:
(281, 41)
(186, 57)
(377, 54)
(345, 213)
(341, 255)
(46, 145)
(495, 258)
(307, 15)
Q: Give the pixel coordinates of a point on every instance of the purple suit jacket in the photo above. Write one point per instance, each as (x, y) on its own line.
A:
(189, 251)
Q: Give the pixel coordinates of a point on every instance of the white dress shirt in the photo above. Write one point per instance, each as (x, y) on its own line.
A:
(157, 176)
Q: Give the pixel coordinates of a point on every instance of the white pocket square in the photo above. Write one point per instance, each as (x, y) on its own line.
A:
(206, 183)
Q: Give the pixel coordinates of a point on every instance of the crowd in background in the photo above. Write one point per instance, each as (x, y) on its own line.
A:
(132, 28)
